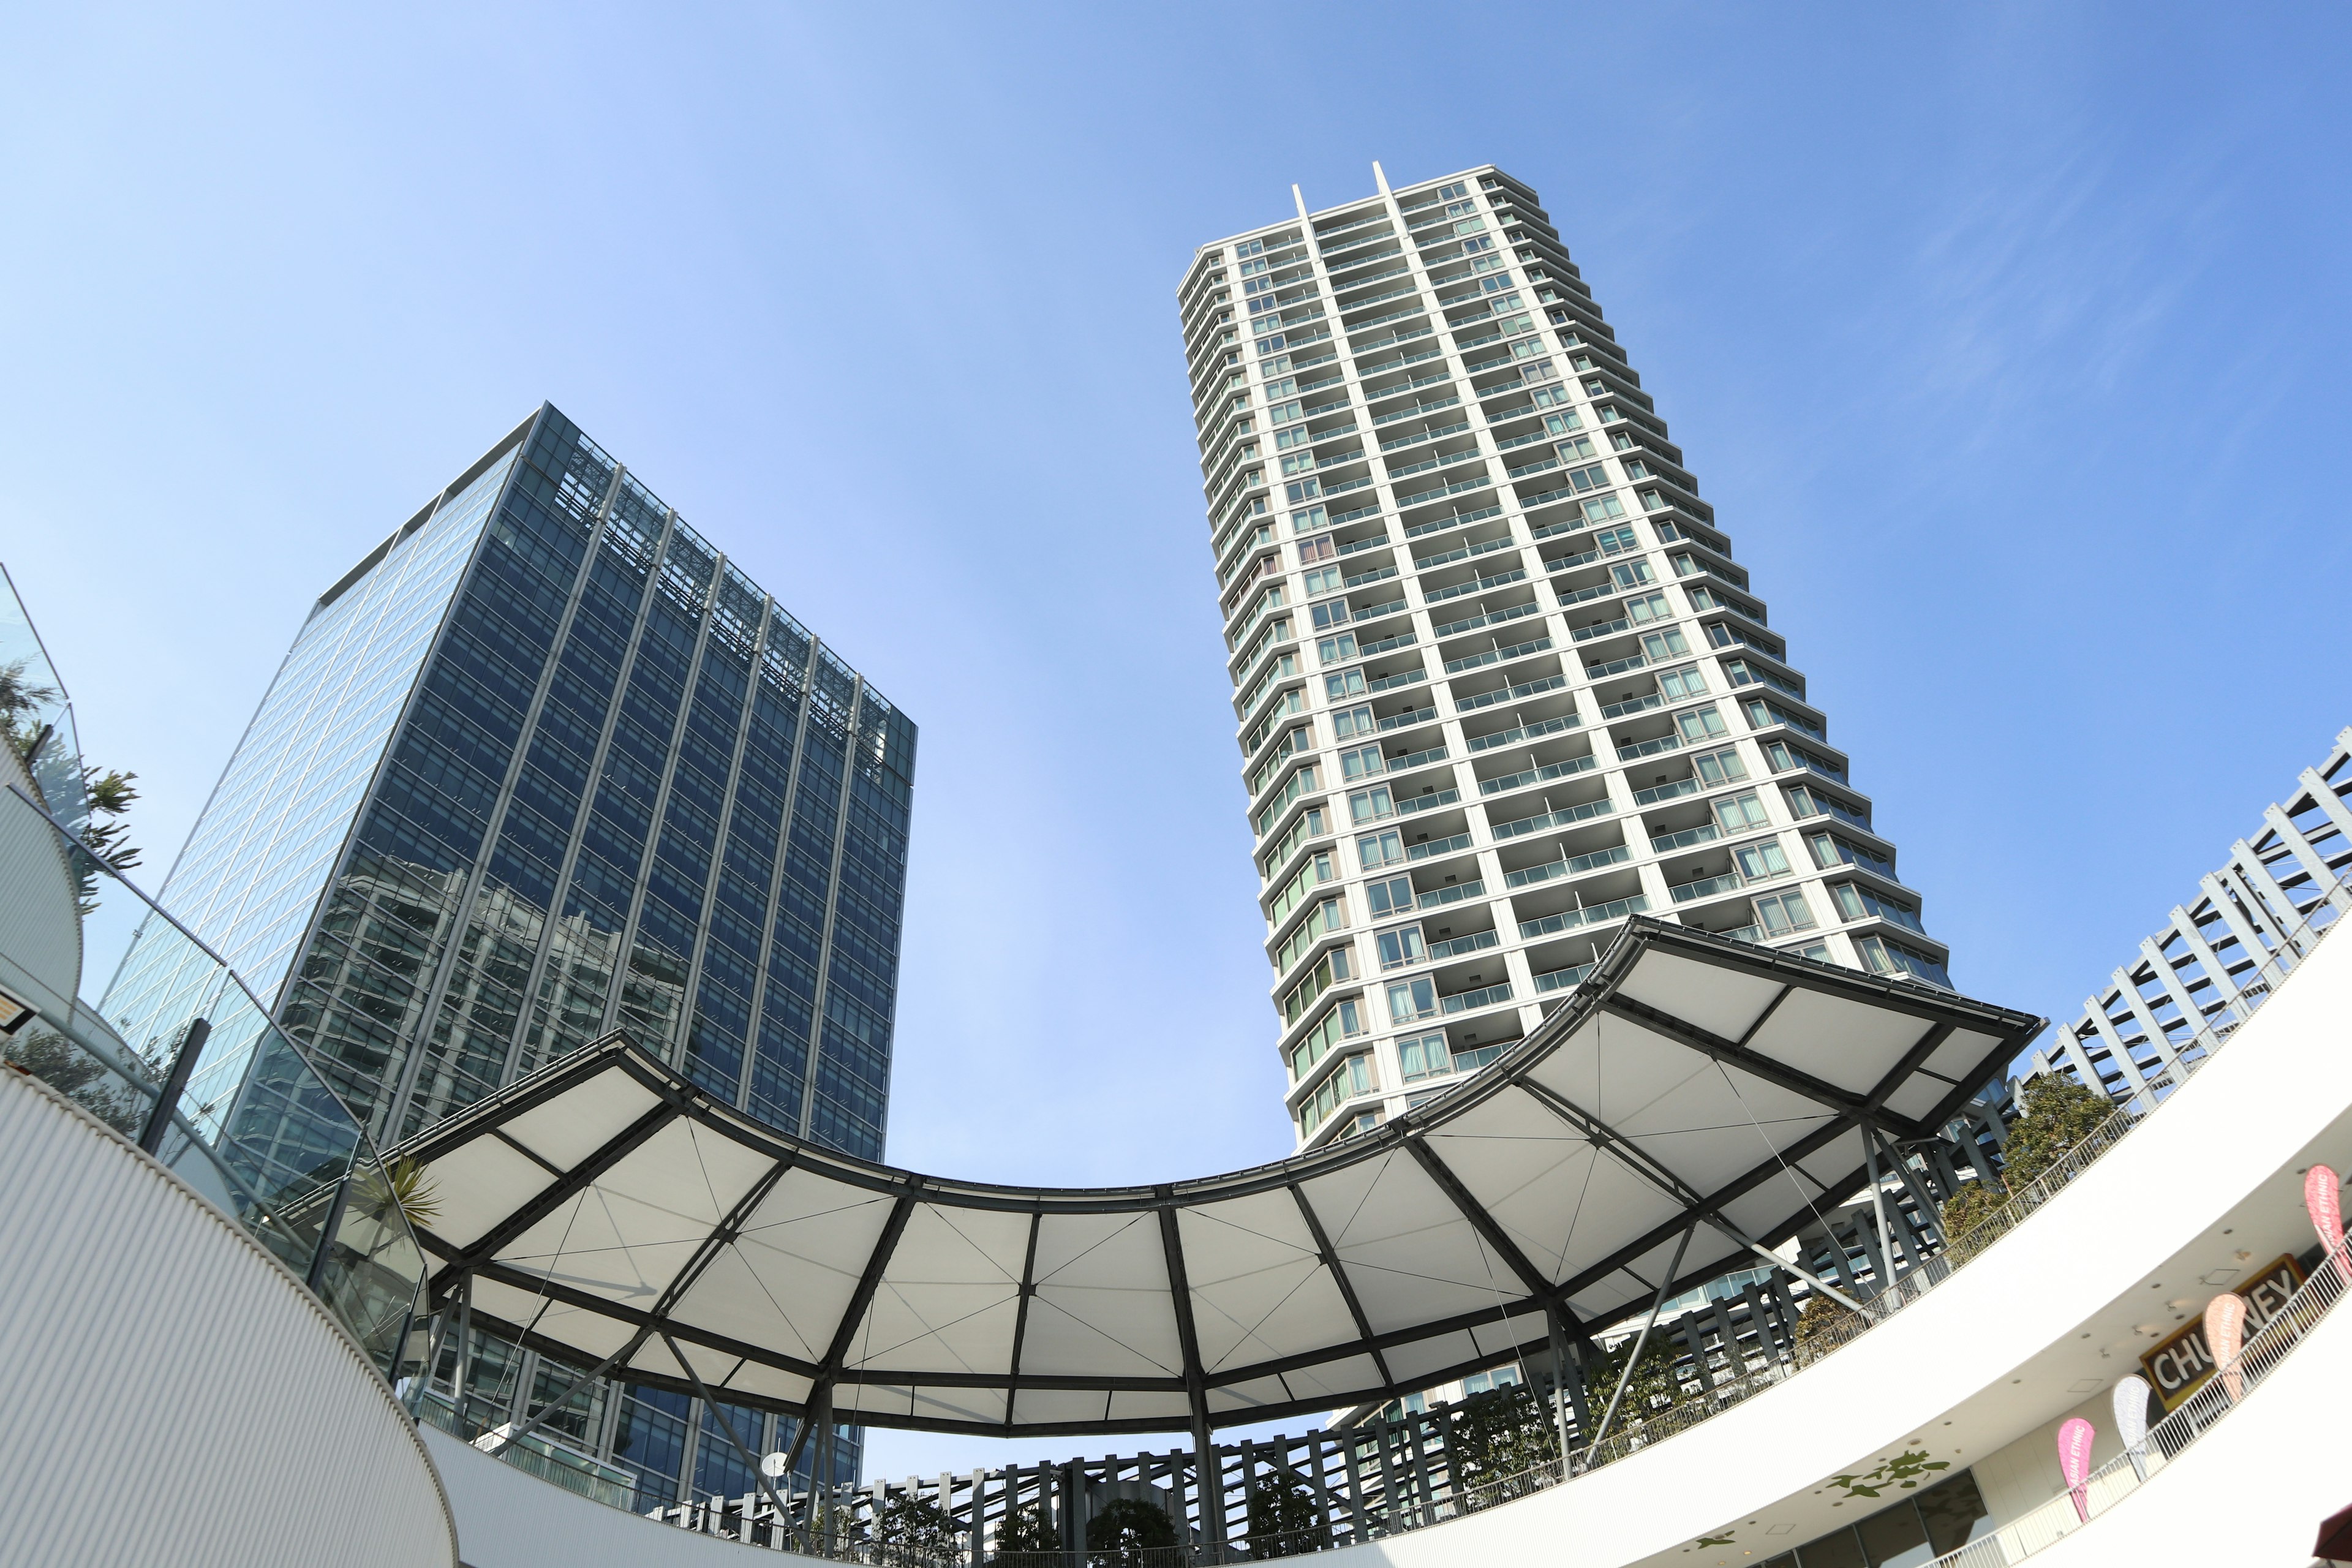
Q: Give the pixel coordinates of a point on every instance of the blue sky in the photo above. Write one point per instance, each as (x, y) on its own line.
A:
(2007, 341)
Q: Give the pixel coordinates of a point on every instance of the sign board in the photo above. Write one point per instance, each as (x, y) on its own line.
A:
(2180, 1363)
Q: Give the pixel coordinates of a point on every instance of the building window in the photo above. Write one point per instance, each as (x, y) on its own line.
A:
(1393, 896)
(1782, 913)
(1370, 805)
(1351, 1077)
(1701, 724)
(1423, 1055)
(1884, 957)
(1687, 681)
(1763, 860)
(1400, 947)
(1738, 812)
(1379, 849)
(1858, 903)
(1409, 1000)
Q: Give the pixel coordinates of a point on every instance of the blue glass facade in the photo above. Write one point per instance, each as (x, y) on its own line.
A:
(546, 765)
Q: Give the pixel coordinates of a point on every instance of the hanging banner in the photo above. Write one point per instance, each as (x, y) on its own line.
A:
(2181, 1363)
(2131, 1420)
(2225, 1336)
(2323, 1200)
(2075, 1462)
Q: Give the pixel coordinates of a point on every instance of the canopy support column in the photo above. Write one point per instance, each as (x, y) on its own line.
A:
(548, 1410)
(1559, 1374)
(1666, 1283)
(711, 1404)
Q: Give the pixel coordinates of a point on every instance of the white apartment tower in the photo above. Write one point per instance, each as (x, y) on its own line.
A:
(1498, 683)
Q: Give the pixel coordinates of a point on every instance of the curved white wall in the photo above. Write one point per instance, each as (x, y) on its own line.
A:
(506, 1519)
(168, 1392)
(2253, 1489)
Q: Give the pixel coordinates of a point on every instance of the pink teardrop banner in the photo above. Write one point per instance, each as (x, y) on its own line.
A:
(2225, 1336)
(2075, 1462)
(2323, 1201)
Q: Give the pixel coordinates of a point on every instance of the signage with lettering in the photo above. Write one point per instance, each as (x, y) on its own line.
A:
(2179, 1365)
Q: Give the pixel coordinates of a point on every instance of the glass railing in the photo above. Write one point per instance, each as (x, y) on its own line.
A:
(1436, 847)
(249, 1122)
(37, 717)
(1707, 887)
(1524, 689)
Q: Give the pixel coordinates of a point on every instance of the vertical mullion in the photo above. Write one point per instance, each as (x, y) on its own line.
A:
(718, 848)
(776, 887)
(447, 964)
(661, 795)
(588, 795)
(832, 902)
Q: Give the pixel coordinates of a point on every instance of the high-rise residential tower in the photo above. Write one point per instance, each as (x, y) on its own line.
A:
(542, 765)
(1498, 680)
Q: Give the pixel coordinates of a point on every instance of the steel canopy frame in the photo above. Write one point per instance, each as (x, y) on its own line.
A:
(1697, 1099)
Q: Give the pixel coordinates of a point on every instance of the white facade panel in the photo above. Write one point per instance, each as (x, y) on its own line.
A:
(168, 1392)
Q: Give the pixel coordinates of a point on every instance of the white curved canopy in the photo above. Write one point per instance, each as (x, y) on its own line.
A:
(1693, 1085)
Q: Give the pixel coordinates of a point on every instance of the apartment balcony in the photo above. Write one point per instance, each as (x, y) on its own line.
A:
(1486, 691)
(1487, 612)
(1563, 813)
(1529, 728)
(1501, 574)
(1458, 449)
(1501, 653)
(1464, 549)
(1584, 917)
(1566, 866)
(1442, 492)
(1537, 772)
(1422, 527)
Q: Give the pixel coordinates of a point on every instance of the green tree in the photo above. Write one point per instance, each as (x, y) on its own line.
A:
(2059, 1114)
(1504, 1431)
(1027, 1529)
(1124, 1530)
(1283, 1518)
(1656, 1385)
(916, 1534)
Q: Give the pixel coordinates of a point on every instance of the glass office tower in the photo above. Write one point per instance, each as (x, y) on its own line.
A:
(1499, 682)
(544, 766)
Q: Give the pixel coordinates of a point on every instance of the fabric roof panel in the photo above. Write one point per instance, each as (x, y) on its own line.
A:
(1687, 1069)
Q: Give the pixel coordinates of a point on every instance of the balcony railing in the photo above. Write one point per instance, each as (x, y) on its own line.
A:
(1496, 655)
(1431, 563)
(1471, 1001)
(1428, 802)
(1486, 618)
(1453, 895)
(1568, 817)
(1568, 769)
(1478, 585)
(1455, 521)
(1572, 866)
(1524, 732)
(1437, 846)
(1510, 693)
(1708, 887)
(1590, 915)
